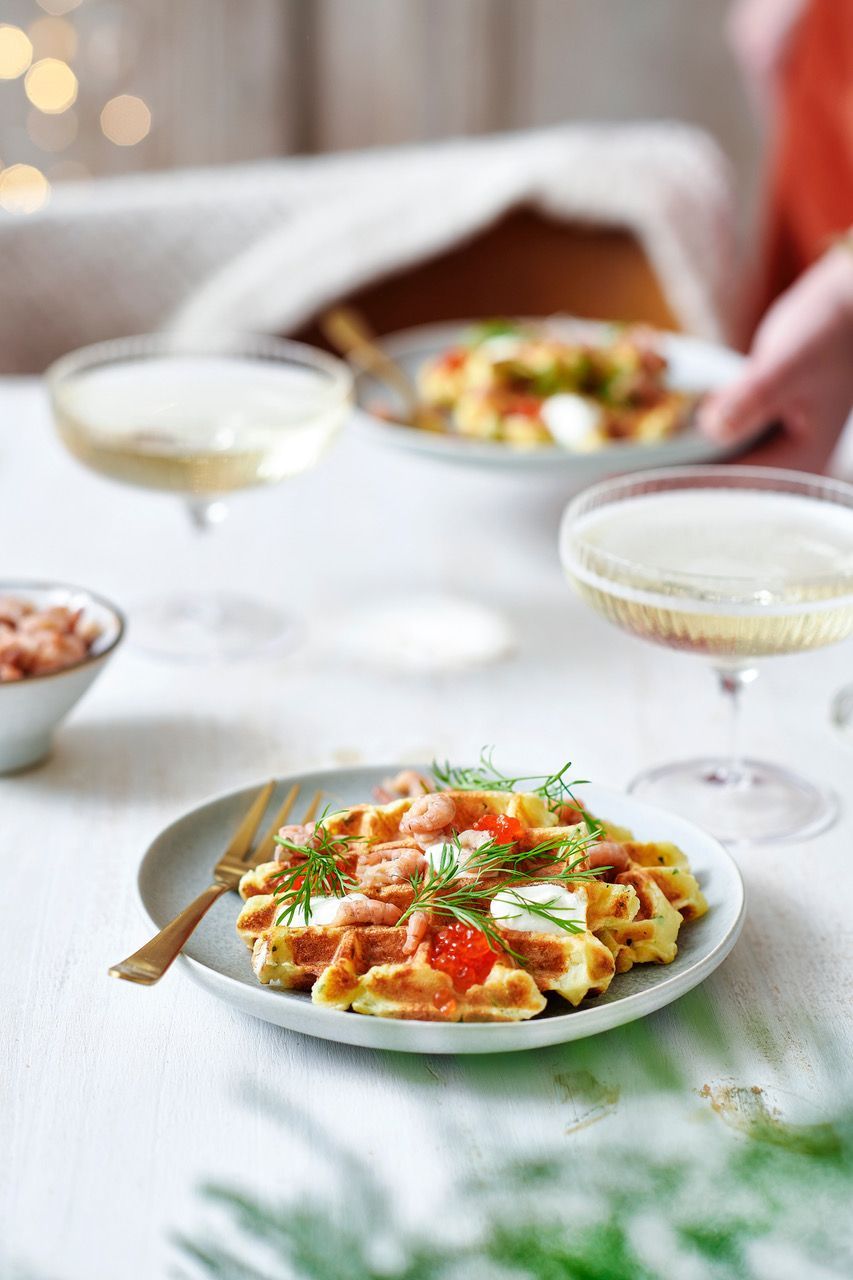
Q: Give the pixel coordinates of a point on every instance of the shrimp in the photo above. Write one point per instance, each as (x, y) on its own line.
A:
(54, 650)
(12, 652)
(403, 785)
(370, 854)
(355, 908)
(393, 870)
(428, 816)
(415, 931)
(12, 610)
(60, 620)
(609, 855)
(35, 642)
(296, 833)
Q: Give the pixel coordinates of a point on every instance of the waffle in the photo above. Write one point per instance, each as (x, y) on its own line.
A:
(634, 917)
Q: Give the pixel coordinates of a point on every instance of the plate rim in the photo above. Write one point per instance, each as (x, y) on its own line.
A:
(474, 1037)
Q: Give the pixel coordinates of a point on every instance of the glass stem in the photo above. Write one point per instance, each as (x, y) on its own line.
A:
(732, 681)
(206, 513)
(203, 609)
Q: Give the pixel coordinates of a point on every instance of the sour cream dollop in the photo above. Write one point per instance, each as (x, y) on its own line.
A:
(322, 910)
(468, 841)
(508, 907)
(571, 419)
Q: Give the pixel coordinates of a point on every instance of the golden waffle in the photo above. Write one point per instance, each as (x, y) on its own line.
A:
(668, 894)
(364, 967)
(633, 917)
(608, 905)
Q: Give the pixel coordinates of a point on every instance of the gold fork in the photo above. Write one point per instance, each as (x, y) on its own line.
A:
(151, 961)
(348, 331)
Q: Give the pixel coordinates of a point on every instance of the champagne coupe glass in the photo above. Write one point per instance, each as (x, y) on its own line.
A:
(735, 563)
(200, 417)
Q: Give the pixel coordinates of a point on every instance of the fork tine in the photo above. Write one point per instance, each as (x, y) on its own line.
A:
(313, 807)
(266, 848)
(245, 833)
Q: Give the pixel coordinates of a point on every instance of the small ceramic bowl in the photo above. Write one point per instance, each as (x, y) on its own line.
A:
(31, 709)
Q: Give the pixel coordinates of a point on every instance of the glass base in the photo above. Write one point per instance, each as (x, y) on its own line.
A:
(425, 633)
(209, 627)
(761, 804)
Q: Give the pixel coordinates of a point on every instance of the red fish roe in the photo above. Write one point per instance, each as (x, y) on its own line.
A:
(445, 1003)
(463, 953)
(503, 829)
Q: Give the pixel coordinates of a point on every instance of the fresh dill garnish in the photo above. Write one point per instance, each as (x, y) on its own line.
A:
(317, 873)
(513, 863)
(440, 892)
(485, 776)
(437, 892)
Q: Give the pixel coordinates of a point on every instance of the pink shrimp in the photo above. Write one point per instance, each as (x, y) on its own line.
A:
(415, 931)
(60, 620)
(35, 642)
(428, 815)
(370, 854)
(12, 610)
(355, 908)
(610, 855)
(404, 784)
(55, 650)
(296, 833)
(406, 863)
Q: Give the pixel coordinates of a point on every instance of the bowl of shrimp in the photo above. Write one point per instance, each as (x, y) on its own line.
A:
(54, 642)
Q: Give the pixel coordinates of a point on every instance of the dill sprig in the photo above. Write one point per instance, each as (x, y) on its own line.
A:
(508, 859)
(484, 776)
(554, 789)
(317, 873)
(440, 892)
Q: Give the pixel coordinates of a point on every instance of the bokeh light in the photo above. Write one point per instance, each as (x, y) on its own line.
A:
(52, 133)
(51, 85)
(126, 120)
(23, 189)
(16, 52)
(58, 7)
(53, 38)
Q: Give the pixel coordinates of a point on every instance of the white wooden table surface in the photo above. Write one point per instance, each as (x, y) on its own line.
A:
(121, 1104)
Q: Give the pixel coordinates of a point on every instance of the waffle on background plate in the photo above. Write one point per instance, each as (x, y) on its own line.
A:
(633, 914)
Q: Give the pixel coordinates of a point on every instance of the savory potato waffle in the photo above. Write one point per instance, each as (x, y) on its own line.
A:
(527, 388)
(462, 904)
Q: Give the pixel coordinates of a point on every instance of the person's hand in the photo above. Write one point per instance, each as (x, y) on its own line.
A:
(800, 368)
(760, 33)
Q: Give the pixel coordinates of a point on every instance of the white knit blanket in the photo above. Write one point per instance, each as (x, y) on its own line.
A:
(263, 247)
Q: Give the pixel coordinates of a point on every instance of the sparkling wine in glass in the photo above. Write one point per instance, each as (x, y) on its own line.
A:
(736, 564)
(201, 418)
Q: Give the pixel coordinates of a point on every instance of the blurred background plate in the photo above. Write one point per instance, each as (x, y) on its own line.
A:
(696, 365)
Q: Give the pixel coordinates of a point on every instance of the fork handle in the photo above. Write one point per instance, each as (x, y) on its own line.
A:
(149, 963)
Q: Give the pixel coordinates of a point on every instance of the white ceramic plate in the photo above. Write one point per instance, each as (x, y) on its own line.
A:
(177, 867)
(695, 365)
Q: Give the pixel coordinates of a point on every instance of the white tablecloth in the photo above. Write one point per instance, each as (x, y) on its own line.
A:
(121, 1104)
